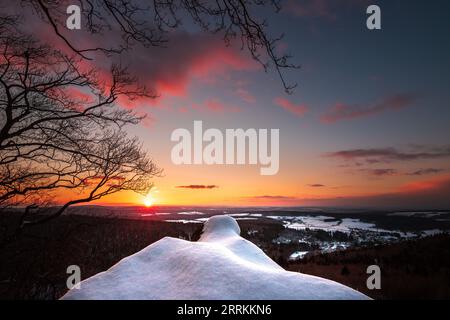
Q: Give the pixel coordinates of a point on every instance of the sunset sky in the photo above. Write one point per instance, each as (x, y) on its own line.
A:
(368, 124)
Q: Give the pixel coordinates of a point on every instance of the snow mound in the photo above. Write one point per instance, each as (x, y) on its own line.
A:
(221, 265)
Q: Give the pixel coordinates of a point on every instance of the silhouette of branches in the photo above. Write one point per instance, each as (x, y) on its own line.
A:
(149, 22)
(61, 133)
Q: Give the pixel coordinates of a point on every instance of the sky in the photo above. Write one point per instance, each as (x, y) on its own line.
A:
(366, 126)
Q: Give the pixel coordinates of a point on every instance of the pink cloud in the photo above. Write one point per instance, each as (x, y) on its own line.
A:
(430, 194)
(297, 109)
(425, 194)
(245, 95)
(166, 69)
(170, 70)
(187, 57)
(183, 109)
(426, 185)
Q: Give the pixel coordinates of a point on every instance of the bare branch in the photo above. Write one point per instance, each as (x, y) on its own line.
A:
(61, 132)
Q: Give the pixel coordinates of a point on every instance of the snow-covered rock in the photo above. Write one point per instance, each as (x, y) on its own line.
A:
(221, 265)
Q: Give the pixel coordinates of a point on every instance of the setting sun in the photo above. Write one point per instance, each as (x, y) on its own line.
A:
(148, 201)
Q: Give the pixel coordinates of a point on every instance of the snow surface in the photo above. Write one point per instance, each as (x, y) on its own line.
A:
(298, 255)
(191, 213)
(345, 225)
(221, 265)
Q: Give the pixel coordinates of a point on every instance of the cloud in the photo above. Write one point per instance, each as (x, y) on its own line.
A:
(245, 95)
(198, 186)
(378, 155)
(424, 194)
(187, 57)
(316, 185)
(428, 194)
(170, 71)
(167, 71)
(422, 172)
(393, 172)
(425, 185)
(381, 172)
(342, 111)
(298, 110)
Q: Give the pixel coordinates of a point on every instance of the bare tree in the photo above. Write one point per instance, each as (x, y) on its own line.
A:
(148, 22)
(61, 133)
